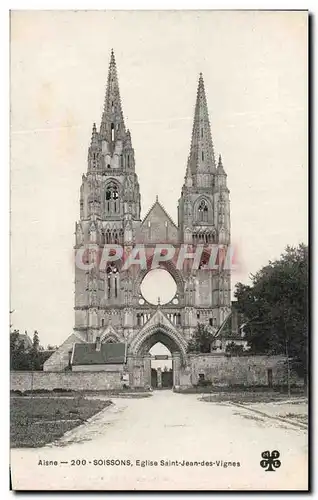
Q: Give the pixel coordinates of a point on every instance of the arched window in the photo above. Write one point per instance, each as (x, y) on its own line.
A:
(203, 211)
(112, 199)
(112, 281)
(113, 132)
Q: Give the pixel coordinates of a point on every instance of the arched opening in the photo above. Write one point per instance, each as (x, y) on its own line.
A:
(158, 287)
(112, 198)
(161, 367)
(163, 341)
(112, 273)
(203, 211)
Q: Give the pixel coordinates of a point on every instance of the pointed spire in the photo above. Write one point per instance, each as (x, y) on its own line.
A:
(220, 169)
(112, 125)
(94, 139)
(128, 139)
(202, 152)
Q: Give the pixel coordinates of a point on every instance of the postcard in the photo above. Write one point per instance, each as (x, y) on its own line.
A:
(159, 250)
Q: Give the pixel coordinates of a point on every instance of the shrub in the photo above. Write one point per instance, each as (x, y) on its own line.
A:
(60, 389)
(204, 383)
(16, 392)
(36, 391)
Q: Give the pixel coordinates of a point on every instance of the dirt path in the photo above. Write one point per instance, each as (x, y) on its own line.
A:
(173, 427)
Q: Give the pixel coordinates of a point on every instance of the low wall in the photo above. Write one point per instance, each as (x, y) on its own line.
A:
(90, 381)
(236, 370)
(221, 370)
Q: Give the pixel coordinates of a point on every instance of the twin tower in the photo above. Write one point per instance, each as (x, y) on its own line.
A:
(109, 305)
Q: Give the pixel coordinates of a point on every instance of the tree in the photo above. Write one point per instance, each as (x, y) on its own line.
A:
(36, 341)
(24, 358)
(201, 341)
(275, 307)
(19, 357)
(234, 349)
(51, 347)
(35, 355)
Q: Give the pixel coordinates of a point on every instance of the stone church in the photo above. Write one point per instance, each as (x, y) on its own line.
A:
(109, 305)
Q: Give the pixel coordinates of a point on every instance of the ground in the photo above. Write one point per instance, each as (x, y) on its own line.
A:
(36, 421)
(169, 427)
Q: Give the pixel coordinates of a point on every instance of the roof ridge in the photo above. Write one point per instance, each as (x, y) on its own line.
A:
(157, 202)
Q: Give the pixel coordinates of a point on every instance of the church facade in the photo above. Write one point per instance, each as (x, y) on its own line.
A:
(109, 304)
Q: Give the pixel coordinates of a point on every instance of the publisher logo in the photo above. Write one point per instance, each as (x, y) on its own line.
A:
(270, 460)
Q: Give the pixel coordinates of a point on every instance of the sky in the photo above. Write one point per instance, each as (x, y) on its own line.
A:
(254, 65)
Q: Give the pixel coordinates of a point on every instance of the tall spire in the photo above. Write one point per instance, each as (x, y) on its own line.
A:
(202, 152)
(112, 124)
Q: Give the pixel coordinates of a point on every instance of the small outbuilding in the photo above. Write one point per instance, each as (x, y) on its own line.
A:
(97, 356)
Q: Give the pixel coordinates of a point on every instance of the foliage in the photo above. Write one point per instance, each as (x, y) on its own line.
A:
(26, 358)
(234, 349)
(275, 307)
(51, 347)
(19, 359)
(201, 341)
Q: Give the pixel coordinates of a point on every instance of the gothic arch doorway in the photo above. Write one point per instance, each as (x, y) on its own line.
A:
(140, 356)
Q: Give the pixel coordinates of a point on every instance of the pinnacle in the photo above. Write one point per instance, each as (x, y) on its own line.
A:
(94, 134)
(220, 168)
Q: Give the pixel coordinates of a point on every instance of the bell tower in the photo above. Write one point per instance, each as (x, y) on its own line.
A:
(204, 215)
(109, 213)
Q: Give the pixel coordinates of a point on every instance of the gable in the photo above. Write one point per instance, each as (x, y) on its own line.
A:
(158, 318)
(157, 226)
(110, 334)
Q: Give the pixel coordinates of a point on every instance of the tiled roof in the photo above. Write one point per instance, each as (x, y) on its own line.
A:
(109, 353)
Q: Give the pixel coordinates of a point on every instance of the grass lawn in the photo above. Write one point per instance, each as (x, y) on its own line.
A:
(247, 397)
(300, 417)
(36, 421)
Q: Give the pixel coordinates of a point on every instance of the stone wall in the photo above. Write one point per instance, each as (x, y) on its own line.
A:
(233, 370)
(90, 381)
(221, 370)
